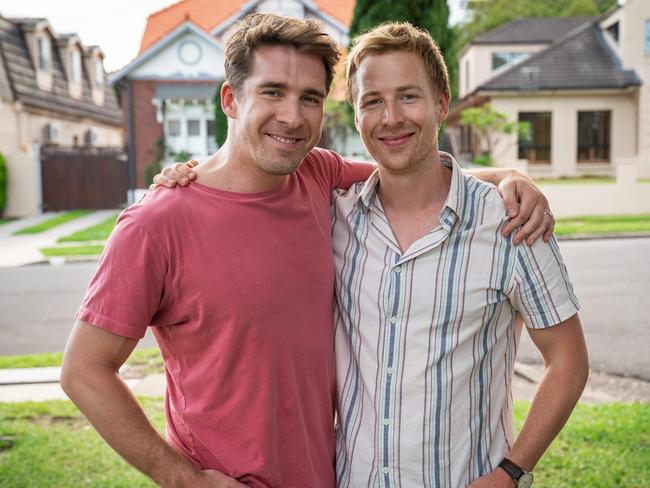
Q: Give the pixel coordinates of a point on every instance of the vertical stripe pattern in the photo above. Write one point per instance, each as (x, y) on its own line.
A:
(426, 339)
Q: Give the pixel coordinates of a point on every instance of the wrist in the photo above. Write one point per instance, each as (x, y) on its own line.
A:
(176, 472)
(504, 478)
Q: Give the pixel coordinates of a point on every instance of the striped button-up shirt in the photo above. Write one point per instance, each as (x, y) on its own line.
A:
(426, 339)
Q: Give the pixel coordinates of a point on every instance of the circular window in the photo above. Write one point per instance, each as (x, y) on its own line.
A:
(189, 52)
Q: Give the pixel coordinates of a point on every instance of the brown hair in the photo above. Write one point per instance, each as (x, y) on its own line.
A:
(258, 30)
(398, 36)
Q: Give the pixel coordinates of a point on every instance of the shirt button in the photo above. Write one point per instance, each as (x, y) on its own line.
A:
(385, 470)
(398, 269)
(386, 421)
(389, 370)
(393, 320)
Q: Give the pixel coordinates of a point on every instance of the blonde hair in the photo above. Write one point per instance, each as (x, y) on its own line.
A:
(398, 36)
(258, 30)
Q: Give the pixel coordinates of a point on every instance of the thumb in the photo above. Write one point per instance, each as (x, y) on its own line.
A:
(510, 199)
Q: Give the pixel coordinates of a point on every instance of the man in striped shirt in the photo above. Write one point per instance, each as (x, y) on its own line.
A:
(429, 296)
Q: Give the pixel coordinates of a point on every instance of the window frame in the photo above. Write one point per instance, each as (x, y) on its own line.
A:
(44, 47)
(594, 148)
(524, 149)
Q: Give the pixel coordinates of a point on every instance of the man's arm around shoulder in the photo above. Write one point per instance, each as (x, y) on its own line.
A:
(90, 377)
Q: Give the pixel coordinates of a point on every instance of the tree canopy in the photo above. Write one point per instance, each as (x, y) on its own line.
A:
(483, 16)
(429, 15)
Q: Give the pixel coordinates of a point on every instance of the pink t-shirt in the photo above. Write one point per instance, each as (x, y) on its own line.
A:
(238, 289)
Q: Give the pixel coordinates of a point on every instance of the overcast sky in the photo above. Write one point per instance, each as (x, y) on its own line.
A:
(114, 25)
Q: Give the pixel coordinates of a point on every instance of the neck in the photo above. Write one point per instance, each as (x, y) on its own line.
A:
(226, 170)
(424, 187)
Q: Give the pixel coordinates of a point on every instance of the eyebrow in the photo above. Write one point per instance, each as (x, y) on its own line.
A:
(404, 88)
(284, 86)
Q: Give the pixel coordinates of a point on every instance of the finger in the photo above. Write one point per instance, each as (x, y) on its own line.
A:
(526, 208)
(537, 233)
(181, 168)
(532, 224)
(549, 231)
(153, 186)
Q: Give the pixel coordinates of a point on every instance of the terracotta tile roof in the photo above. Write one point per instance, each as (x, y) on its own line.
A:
(207, 14)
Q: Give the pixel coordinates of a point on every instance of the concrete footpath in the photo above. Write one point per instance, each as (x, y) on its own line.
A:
(42, 384)
(19, 250)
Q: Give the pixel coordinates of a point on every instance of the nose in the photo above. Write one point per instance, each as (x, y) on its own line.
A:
(290, 114)
(392, 115)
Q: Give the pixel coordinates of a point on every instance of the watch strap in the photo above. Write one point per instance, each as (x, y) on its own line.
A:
(514, 471)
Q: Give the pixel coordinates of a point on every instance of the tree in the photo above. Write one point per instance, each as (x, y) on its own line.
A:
(491, 126)
(429, 15)
(483, 16)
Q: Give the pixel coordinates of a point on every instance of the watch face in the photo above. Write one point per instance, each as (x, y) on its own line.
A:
(526, 481)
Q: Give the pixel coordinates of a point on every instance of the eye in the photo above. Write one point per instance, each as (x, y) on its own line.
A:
(408, 97)
(311, 100)
(372, 102)
(271, 93)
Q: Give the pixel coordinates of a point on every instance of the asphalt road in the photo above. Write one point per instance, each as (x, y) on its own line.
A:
(611, 278)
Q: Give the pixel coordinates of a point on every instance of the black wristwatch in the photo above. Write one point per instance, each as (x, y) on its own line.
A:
(523, 478)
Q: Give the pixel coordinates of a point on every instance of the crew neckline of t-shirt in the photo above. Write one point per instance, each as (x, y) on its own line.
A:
(233, 195)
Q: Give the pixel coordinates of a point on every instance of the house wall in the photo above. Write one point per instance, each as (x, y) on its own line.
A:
(627, 196)
(20, 133)
(633, 15)
(479, 60)
(168, 63)
(564, 130)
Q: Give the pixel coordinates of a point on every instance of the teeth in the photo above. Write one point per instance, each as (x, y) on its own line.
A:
(284, 140)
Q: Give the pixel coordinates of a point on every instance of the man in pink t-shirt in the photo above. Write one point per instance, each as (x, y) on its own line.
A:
(236, 280)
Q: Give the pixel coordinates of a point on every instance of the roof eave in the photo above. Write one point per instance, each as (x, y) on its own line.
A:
(161, 44)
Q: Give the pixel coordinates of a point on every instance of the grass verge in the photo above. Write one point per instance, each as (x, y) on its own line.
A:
(50, 444)
(99, 232)
(6, 221)
(580, 180)
(86, 250)
(603, 224)
(53, 222)
(144, 361)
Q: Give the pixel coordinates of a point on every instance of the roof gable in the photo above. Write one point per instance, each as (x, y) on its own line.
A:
(21, 75)
(209, 14)
(181, 30)
(580, 60)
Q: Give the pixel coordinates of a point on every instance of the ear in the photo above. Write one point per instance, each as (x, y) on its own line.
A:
(228, 101)
(356, 118)
(443, 107)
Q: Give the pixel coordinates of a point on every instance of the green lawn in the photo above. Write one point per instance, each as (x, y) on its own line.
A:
(582, 180)
(49, 444)
(146, 360)
(6, 221)
(603, 224)
(86, 250)
(53, 446)
(99, 232)
(53, 222)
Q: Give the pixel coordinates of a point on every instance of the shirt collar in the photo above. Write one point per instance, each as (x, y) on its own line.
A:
(455, 199)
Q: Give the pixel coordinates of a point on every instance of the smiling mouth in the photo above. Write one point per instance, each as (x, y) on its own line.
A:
(396, 140)
(284, 140)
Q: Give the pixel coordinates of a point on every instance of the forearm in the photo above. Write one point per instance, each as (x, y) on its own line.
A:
(104, 398)
(493, 175)
(556, 396)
